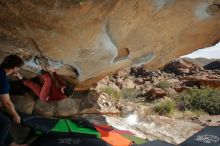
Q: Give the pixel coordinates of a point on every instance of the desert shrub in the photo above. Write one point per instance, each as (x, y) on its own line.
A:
(199, 113)
(129, 93)
(163, 84)
(126, 77)
(204, 99)
(112, 92)
(164, 107)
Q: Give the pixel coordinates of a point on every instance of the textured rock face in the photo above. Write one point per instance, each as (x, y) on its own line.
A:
(148, 85)
(155, 127)
(181, 67)
(98, 37)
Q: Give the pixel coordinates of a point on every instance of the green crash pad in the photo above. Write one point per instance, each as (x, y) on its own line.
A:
(64, 125)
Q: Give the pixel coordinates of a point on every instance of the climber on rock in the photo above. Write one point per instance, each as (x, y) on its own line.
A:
(51, 87)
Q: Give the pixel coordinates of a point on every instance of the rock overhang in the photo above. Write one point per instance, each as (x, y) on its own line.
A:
(86, 40)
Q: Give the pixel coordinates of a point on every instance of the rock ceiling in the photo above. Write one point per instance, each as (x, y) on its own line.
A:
(87, 39)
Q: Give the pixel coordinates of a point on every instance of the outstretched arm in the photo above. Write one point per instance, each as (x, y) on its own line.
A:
(41, 92)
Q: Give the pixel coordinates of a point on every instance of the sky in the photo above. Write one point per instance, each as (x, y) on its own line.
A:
(209, 52)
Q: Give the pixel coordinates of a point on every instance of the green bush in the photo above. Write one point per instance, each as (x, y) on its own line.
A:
(164, 108)
(112, 92)
(163, 84)
(205, 99)
(129, 93)
(125, 77)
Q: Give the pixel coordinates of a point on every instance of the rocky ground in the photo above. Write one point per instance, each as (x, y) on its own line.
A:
(141, 87)
(139, 90)
(175, 77)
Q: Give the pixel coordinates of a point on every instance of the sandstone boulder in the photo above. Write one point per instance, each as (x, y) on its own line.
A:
(87, 40)
(155, 93)
(181, 67)
(204, 79)
(44, 108)
(23, 103)
(67, 107)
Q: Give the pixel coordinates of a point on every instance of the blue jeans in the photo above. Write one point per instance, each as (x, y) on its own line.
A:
(5, 136)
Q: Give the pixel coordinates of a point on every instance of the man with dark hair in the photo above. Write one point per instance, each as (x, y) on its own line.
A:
(9, 66)
(53, 87)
